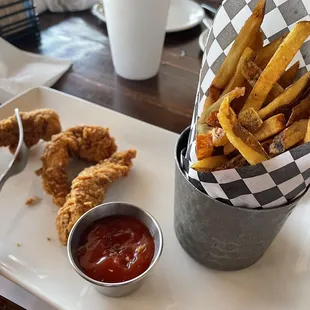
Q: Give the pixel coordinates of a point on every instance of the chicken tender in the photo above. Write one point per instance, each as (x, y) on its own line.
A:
(90, 143)
(38, 124)
(88, 190)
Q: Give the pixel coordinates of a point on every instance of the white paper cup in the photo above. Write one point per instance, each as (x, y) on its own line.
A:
(136, 32)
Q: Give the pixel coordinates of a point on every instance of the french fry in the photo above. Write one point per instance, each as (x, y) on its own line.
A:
(270, 127)
(204, 138)
(235, 93)
(266, 145)
(250, 120)
(245, 38)
(212, 120)
(204, 145)
(203, 128)
(243, 140)
(213, 96)
(238, 80)
(301, 111)
(287, 97)
(219, 137)
(209, 164)
(252, 74)
(266, 53)
(276, 66)
(289, 75)
(228, 149)
(238, 103)
(236, 162)
(288, 137)
(259, 42)
(307, 136)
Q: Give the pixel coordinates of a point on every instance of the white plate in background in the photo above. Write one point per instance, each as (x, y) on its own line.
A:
(183, 15)
(203, 39)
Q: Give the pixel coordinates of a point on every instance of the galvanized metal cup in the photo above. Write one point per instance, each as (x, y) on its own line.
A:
(218, 235)
(102, 211)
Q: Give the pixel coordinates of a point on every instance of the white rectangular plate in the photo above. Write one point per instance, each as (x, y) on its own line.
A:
(279, 281)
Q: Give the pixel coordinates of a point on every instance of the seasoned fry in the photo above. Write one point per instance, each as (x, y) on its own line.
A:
(238, 103)
(228, 149)
(244, 39)
(238, 80)
(209, 164)
(270, 127)
(290, 94)
(252, 73)
(203, 128)
(243, 140)
(266, 145)
(213, 96)
(307, 136)
(219, 137)
(289, 75)
(301, 111)
(277, 65)
(250, 120)
(235, 93)
(204, 139)
(289, 137)
(212, 120)
(236, 162)
(204, 145)
(259, 42)
(266, 53)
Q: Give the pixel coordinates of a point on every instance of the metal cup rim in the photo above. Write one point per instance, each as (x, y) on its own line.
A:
(178, 165)
(155, 259)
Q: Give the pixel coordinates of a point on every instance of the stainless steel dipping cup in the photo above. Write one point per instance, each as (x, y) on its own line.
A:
(218, 235)
(103, 211)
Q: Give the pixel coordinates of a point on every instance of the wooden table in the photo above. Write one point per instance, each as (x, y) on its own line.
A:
(166, 100)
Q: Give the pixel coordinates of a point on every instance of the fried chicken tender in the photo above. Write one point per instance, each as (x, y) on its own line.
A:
(88, 190)
(90, 143)
(38, 124)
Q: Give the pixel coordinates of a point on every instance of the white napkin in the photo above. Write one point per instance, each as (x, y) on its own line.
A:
(21, 70)
(65, 5)
(41, 6)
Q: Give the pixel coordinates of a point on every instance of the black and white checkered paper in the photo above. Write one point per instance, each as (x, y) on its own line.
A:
(281, 179)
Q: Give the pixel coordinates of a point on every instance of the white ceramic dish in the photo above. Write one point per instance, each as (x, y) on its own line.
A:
(183, 14)
(203, 39)
(279, 281)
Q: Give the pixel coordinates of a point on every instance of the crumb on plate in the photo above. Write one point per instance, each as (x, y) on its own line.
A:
(32, 200)
(38, 172)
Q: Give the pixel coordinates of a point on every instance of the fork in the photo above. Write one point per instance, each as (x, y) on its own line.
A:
(20, 158)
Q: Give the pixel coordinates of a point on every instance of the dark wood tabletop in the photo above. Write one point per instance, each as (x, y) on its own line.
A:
(166, 100)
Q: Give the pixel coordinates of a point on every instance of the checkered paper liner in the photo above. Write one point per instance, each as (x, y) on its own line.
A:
(281, 179)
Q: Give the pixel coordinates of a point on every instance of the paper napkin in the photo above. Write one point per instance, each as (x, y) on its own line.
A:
(21, 70)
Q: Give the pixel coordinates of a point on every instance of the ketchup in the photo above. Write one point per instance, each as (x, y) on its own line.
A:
(115, 249)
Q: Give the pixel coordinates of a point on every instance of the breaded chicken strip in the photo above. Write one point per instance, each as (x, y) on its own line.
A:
(38, 124)
(91, 143)
(88, 190)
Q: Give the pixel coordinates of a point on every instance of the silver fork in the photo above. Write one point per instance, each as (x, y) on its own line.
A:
(20, 158)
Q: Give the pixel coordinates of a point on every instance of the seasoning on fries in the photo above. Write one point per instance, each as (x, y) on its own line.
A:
(255, 109)
(289, 137)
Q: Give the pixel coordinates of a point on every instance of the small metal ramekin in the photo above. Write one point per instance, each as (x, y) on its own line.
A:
(109, 209)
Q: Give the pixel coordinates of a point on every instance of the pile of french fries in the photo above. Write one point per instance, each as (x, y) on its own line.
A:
(254, 110)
